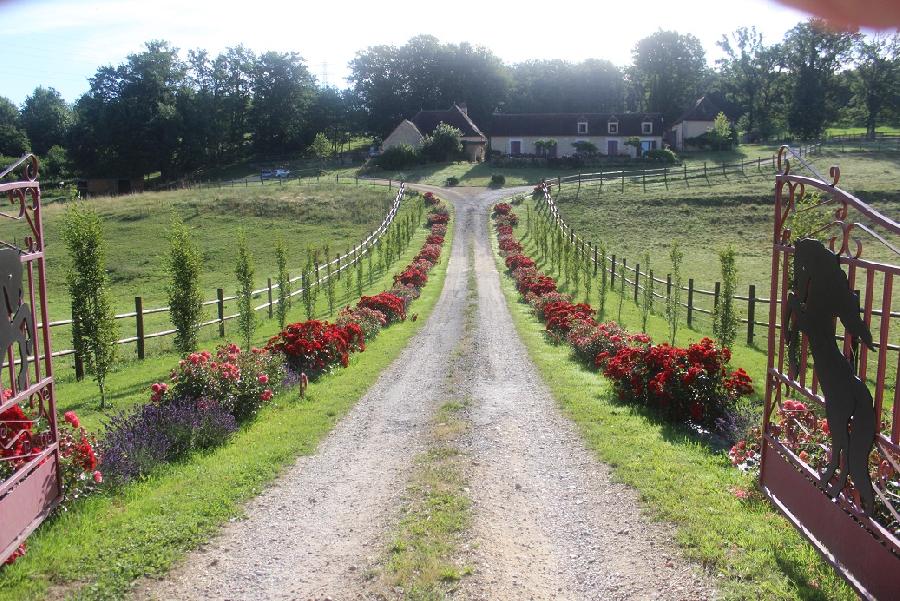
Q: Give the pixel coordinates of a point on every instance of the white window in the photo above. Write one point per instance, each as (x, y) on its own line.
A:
(647, 127)
(582, 127)
(613, 127)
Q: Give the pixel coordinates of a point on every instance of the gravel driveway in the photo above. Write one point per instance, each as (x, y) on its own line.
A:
(548, 522)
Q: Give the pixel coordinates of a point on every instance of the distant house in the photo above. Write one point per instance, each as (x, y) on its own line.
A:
(698, 119)
(107, 186)
(413, 132)
(517, 134)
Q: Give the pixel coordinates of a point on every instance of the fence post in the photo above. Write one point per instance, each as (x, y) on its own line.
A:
(644, 179)
(623, 181)
(595, 261)
(686, 182)
(624, 274)
(220, 305)
(271, 314)
(668, 285)
(716, 294)
(751, 312)
(390, 184)
(338, 256)
(666, 177)
(558, 183)
(578, 191)
(612, 277)
(759, 163)
(139, 322)
(705, 173)
(690, 307)
(637, 277)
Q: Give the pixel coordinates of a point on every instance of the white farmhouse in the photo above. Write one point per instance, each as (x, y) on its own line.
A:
(517, 134)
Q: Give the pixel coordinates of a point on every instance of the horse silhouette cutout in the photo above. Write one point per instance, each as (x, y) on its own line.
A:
(821, 293)
(18, 313)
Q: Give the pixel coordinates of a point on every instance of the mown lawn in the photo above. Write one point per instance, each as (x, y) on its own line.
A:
(752, 550)
(306, 217)
(100, 546)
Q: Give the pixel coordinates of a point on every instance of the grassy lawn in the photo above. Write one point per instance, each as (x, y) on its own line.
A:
(100, 546)
(755, 553)
(855, 131)
(308, 216)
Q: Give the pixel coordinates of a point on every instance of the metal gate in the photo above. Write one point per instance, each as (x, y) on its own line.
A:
(30, 482)
(832, 403)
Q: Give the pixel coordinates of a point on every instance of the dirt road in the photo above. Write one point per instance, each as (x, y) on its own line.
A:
(548, 522)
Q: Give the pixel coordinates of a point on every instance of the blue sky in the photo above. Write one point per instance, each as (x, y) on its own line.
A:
(61, 43)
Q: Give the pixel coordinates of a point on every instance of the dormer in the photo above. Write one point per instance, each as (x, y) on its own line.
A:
(647, 127)
(612, 126)
(582, 127)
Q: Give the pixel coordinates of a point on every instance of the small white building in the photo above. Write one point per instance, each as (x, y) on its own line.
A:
(518, 134)
(698, 120)
(413, 132)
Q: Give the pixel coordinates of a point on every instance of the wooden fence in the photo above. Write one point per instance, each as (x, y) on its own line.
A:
(316, 279)
(694, 305)
(666, 175)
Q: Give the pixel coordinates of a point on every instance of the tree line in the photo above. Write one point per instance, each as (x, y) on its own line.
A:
(173, 114)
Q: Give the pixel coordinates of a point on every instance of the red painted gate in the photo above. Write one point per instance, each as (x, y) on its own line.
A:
(30, 485)
(806, 458)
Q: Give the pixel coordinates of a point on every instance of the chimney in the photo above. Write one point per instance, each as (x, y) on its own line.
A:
(462, 107)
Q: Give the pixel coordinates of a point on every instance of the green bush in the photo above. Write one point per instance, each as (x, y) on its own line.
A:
(184, 264)
(94, 328)
(453, 181)
(662, 155)
(498, 180)
(397, 157)
(443, 145)
(243, 272)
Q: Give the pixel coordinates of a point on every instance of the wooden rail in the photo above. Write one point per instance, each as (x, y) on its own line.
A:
(339, 263)
(548, 209)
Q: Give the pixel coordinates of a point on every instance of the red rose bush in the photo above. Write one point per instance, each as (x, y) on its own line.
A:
(690, 385)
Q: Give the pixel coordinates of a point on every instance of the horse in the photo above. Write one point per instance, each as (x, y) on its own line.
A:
(820, 293)
(18, 313)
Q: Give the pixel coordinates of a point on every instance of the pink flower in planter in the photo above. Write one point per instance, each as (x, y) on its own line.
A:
(263, 379)
(98, 477)
(266, 394)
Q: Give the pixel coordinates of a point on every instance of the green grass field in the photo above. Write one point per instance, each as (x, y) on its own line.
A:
(100, 546)
(135, 228)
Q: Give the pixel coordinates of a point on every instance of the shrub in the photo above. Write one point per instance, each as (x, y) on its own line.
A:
(242, 382)
(406, 293)
(184, 265)
(390, 305)
(673, 300)
(498, 180)
(590, 340)
(314, 347)
(243, 271)
(369, 321)
(502, 208)
(411, 276)
(452, 181)
(438, 218)
(443, 144)
(662, 155)
(94, 328)
(439, 229)
(725, 317)
(134, 443)
(397, 157)
(284, 283)
(430, 252)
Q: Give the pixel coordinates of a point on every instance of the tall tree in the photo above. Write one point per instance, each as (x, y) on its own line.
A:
(128, 123)
(751, 77)
(590, 86)
(46, 118)
(392, 83)
(813, 53)
(13, 139)
(669, 69)
(283, 91)
(876, 80)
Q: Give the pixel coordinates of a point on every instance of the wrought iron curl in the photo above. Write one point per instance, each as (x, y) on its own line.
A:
(835, 173)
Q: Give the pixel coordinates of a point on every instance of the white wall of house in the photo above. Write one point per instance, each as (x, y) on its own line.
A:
(564, 144)
(405, 133)
(689, 129)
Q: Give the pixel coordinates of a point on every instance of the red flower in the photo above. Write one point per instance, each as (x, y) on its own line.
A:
(70, 417)
(98, 477)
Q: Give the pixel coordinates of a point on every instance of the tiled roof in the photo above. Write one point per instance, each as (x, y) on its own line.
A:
(566, 124)
(706, 108)
(426, 121)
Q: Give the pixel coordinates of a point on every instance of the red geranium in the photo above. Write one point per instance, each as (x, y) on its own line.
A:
(391, 305)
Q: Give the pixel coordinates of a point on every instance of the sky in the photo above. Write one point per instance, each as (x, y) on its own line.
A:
(61, 43)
